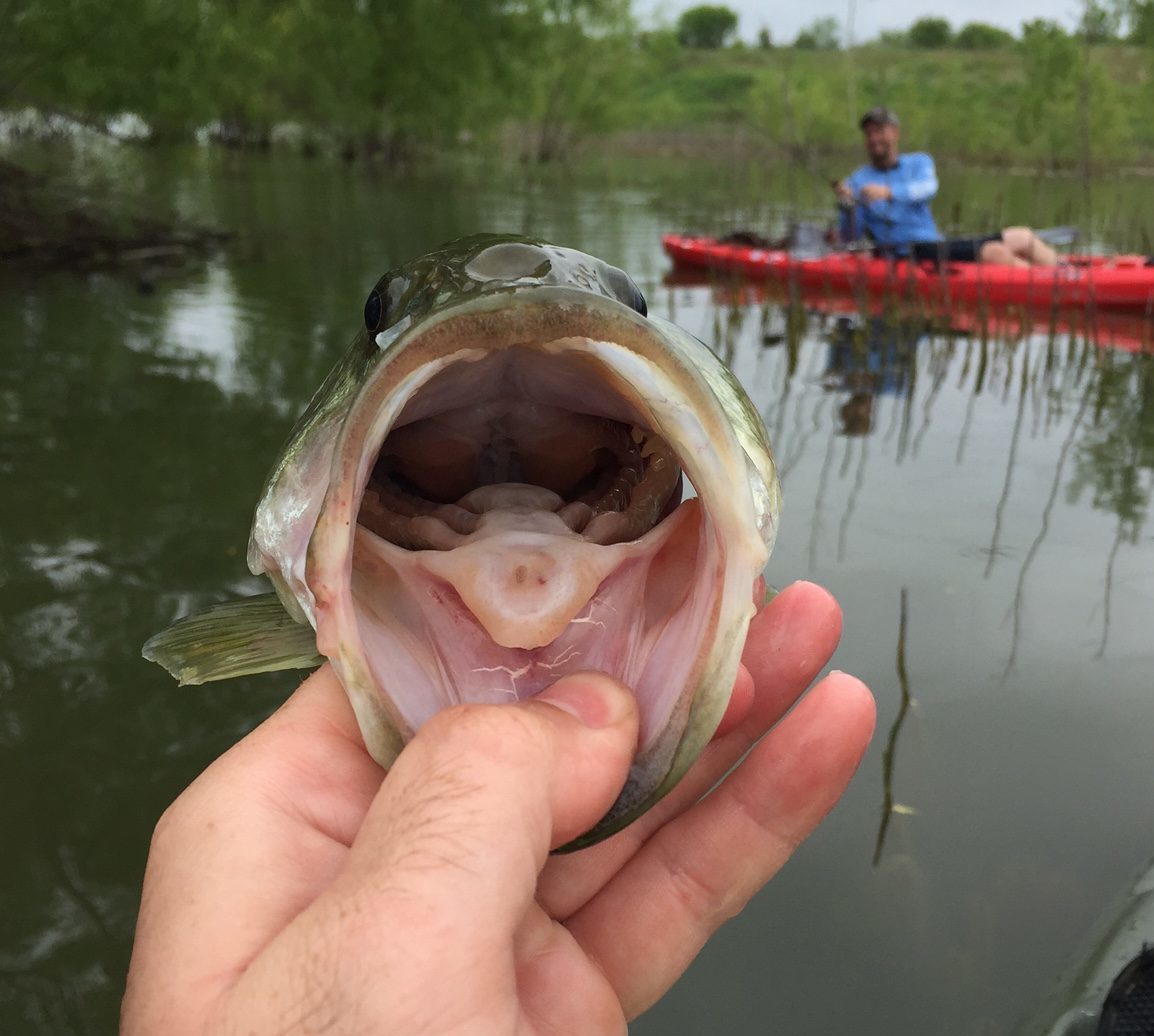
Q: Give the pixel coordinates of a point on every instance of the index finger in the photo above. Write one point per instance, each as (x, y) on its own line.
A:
(789, 642)
(651, 920)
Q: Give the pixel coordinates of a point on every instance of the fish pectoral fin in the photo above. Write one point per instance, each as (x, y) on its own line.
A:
(236, 638)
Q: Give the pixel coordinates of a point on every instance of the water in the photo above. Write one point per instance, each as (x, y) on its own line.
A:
(977, 503)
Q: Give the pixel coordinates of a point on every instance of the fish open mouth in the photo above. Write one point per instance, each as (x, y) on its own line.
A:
(523, 521)
(506, 507)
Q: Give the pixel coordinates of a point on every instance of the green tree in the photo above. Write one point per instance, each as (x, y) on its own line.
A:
(980, 36)
(1141, 23)
(1100, 22)
(930, 33)
(765, 40)
(93, 60)
(821, 34)
(1070, 109)
(707, 27)
(1039, 33)
(573, 73)
(380, 75)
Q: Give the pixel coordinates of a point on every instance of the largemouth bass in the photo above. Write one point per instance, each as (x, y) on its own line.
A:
(514, 473)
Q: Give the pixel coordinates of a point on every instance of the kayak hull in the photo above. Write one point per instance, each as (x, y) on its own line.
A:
(1117, 282)
(1118, 327)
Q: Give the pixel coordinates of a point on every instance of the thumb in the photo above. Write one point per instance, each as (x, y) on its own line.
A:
(419, 926)
(466, 817)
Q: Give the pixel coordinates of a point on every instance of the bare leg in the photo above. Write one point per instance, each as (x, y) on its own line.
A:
(998, 252)
(1027, 246)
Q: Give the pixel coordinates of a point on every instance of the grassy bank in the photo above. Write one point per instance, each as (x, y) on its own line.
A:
(1067, 106)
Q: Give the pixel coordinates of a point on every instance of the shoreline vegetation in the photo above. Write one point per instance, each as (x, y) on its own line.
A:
(544, 82)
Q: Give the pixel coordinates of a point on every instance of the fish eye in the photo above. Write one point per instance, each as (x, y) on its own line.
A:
(637, 302)
(625, 290)
(374, 310)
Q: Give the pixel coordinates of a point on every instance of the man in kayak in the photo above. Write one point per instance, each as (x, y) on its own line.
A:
(888, 201)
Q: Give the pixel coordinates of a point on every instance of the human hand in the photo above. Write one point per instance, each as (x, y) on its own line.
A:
(872, 192)
(289, 890)
(843, 192)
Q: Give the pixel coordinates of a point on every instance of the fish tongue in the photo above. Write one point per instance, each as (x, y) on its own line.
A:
(524, 574)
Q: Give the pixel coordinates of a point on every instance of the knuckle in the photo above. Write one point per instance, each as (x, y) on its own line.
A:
(511, 735)
(171, 824)
(696, 897)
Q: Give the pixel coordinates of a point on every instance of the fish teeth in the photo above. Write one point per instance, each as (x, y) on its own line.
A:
(576, 515)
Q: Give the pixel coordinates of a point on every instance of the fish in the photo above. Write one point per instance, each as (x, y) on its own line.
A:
(515, 472)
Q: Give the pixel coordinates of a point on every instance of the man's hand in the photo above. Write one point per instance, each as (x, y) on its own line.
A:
(872, 192)
(292, 890)
(845, 196)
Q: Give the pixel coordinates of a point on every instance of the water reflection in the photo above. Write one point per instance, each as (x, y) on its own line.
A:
(890, 806)
(1043, 528)
(1043, 368)
(1038, 363)
(125, 494)
(867, 358)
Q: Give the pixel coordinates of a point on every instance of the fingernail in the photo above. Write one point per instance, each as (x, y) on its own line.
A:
(593, 700)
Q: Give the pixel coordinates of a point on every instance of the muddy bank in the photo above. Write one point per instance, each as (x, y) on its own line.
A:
(42, 226)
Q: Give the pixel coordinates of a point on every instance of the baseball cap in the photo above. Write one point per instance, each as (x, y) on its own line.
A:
(880, 116)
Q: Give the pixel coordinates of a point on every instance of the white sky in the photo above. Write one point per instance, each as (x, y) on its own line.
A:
(871, 16)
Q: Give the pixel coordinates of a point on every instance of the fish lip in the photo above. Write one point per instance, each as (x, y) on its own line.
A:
(537, 316)
(503, 299)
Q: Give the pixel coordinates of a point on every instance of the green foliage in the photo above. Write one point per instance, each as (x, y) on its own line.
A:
(1101, 21)
(1071, 107)
(83, 55)
(575, 70)
(373, 73)
(394, 71)
(707, 26)
(822, 34)
(795, 110)
(1047, 112)
(705, 95)
(661, 43)
(980, 36)
(1038, 30)
(930, 33)
(536, 76)
(1141, 23)
(765, 40)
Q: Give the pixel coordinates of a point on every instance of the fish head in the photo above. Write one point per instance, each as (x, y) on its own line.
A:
(514, 474)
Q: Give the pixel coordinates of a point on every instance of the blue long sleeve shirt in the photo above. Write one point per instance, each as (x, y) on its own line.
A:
(901, 219)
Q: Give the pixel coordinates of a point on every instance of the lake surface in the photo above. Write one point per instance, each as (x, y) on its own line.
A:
(977, 499)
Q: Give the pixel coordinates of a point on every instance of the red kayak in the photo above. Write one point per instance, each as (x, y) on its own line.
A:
(1115, 281)
(1117, 328)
